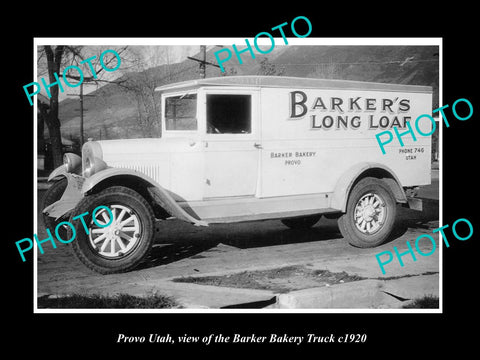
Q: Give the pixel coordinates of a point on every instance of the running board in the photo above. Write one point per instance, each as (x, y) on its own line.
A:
(252, 209)
(270, 216)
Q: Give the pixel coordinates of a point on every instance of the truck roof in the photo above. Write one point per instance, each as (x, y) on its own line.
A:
(292, 82)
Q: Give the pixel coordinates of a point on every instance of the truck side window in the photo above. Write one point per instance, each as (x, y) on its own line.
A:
(181, 112)
(229, 114)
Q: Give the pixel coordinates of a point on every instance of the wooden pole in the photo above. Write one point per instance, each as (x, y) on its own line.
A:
(81, 114)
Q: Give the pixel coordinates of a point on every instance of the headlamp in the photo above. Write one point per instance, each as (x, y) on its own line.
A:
(71, 161)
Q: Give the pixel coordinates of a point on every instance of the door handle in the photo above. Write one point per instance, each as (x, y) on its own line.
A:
(258, 145)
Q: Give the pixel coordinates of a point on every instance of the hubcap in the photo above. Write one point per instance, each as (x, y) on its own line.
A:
(120, 237)
(370, 213)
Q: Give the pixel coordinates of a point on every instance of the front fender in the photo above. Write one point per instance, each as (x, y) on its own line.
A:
(70, 198)
(59, 171)
(159, 194)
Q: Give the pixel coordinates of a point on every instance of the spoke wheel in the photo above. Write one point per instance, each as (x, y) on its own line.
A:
(118, 239)
(370, 214)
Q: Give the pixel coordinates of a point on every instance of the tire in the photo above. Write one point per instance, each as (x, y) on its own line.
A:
(113, 249)
(53, 194)
(301, 223)
(370, 214)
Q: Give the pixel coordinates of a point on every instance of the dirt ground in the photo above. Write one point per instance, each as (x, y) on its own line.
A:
(261, 255)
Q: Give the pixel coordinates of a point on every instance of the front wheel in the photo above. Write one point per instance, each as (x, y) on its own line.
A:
(370, 214)
(117, 240)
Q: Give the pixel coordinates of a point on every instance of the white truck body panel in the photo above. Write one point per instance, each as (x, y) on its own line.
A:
(313, 159)
(305, 135)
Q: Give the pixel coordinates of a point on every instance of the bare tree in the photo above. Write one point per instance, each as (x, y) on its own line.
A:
(142, 83)
(270, 69)
(54, 60)
(58, 57)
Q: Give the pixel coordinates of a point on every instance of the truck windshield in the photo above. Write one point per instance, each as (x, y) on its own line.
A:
(181, 112)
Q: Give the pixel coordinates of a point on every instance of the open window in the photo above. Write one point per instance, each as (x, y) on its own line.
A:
(181, 112)
(229, 114)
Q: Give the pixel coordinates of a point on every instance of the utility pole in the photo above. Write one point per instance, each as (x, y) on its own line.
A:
(203, 54)
(203, 61)
(81, 96)
(81, 114)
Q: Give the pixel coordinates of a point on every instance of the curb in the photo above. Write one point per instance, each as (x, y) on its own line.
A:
(355, 295)
(195, 296)
(364, 294)
(190, 296)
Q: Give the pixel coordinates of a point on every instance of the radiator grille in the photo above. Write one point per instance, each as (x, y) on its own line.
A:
(153, 171)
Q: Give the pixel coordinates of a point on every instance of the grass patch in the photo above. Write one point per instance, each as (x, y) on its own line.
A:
(404, 276)
(336, 278)
(120, 301)
(426, 302)
(279, 280)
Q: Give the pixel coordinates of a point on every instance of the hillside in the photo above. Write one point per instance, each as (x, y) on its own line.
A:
(115, 112)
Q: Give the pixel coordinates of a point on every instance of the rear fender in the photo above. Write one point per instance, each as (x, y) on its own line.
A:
(347, 180)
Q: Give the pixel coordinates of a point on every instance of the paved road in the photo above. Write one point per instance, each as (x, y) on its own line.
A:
(183, 250)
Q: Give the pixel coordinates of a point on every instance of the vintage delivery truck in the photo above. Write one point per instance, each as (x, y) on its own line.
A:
(247, 148)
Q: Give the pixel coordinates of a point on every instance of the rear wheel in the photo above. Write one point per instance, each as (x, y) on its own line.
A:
(115, 240)
(370, 214)
(301, 223)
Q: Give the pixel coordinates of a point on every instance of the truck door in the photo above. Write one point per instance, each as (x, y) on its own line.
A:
(231, 143)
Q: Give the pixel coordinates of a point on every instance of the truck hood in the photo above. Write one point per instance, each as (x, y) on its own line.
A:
(133, 149)
(152, 157)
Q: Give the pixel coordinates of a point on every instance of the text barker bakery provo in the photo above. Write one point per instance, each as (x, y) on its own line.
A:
(348, 108)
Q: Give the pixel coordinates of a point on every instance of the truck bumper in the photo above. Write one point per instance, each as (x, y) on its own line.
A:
(429, 208)
(70, 198)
